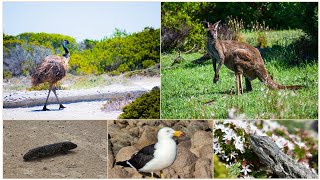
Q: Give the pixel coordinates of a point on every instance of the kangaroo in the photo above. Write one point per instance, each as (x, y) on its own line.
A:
(241, 58)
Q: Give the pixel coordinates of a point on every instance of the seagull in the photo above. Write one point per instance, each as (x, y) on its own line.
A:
(155, 157)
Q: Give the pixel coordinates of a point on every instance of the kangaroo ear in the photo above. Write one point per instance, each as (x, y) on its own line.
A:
(216, 24)
(205, 24)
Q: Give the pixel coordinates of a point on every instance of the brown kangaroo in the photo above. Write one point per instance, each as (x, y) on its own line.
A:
(239, 57)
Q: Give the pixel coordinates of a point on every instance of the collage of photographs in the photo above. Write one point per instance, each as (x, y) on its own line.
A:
(175, 90)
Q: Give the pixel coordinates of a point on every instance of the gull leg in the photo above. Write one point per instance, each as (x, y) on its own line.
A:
(161, 174)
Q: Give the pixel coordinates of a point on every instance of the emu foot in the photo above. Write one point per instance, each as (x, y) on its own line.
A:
(45, 108)
(61, 107)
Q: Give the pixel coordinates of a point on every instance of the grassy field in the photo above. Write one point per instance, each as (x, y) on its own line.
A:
(187, 91)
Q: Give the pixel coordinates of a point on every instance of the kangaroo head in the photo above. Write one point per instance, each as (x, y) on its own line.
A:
(212, 29)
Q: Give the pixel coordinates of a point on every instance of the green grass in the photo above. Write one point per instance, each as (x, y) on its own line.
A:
(281, 38)
(186, 89)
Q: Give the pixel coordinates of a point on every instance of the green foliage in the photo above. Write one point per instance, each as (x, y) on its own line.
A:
(119, 33)
(181, 21)
(119, 53)
(149, 72)
(44, 86)
(147, 106)
(49, 41)
(148, 63)
(235, 169)
(7, 74)
(220, 171)
(178, 28)
(262, 39)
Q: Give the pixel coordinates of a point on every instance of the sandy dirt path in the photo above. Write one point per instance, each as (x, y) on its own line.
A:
(88, 160)
(80, 104)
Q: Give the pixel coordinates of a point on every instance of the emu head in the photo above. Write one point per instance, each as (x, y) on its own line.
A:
(65, 42)
(212, 29)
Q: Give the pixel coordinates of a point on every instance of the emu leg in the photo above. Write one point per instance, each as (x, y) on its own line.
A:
(45, 104)
(55, 93)
(248, 84)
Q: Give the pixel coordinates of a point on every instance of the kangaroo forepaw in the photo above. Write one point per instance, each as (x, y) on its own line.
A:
(61, 107)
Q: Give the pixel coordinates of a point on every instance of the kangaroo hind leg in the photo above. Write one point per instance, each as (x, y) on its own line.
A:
(239, 83)
(248, 84)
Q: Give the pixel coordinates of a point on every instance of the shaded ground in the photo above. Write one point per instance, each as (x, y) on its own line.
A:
(82, 104)
(90, 110)
(88, 160)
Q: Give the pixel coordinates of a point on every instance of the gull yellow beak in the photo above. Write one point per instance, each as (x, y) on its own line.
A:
(178, 133)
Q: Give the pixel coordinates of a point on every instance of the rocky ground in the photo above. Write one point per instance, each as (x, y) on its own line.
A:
(194, 150)
(88, 160)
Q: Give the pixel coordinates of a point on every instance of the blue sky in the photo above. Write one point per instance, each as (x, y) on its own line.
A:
(81, 20)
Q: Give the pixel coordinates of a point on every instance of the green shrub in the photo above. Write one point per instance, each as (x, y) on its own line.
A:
(44, 86)
(147, 106)
(148, 63)
(220, 171)
(7, 74)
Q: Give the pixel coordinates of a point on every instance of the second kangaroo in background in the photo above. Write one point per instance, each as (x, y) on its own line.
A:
(241, 58)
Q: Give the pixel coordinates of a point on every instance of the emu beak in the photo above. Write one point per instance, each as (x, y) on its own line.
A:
(178, 133)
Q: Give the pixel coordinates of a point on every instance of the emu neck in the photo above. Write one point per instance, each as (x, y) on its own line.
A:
(67, 54)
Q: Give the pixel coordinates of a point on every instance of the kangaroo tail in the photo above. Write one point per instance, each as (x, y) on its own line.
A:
(292, 87)
(268, 81)
(123, 163)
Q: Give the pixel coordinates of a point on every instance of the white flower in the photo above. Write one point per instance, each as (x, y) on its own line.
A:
(222, 127)
(245, 170)
(282, 142)
(240, 124)
(274, 137)
(233, 155)
(272, 124)
(290, 146)
(228, 122)
(229, 135)
(252, 128)
(238, 139)
(217, 149)
(300, 144)
(239, 146)
(223, 156)
(215, 139)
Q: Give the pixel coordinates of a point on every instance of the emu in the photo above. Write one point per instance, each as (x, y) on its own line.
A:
(52, 69)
